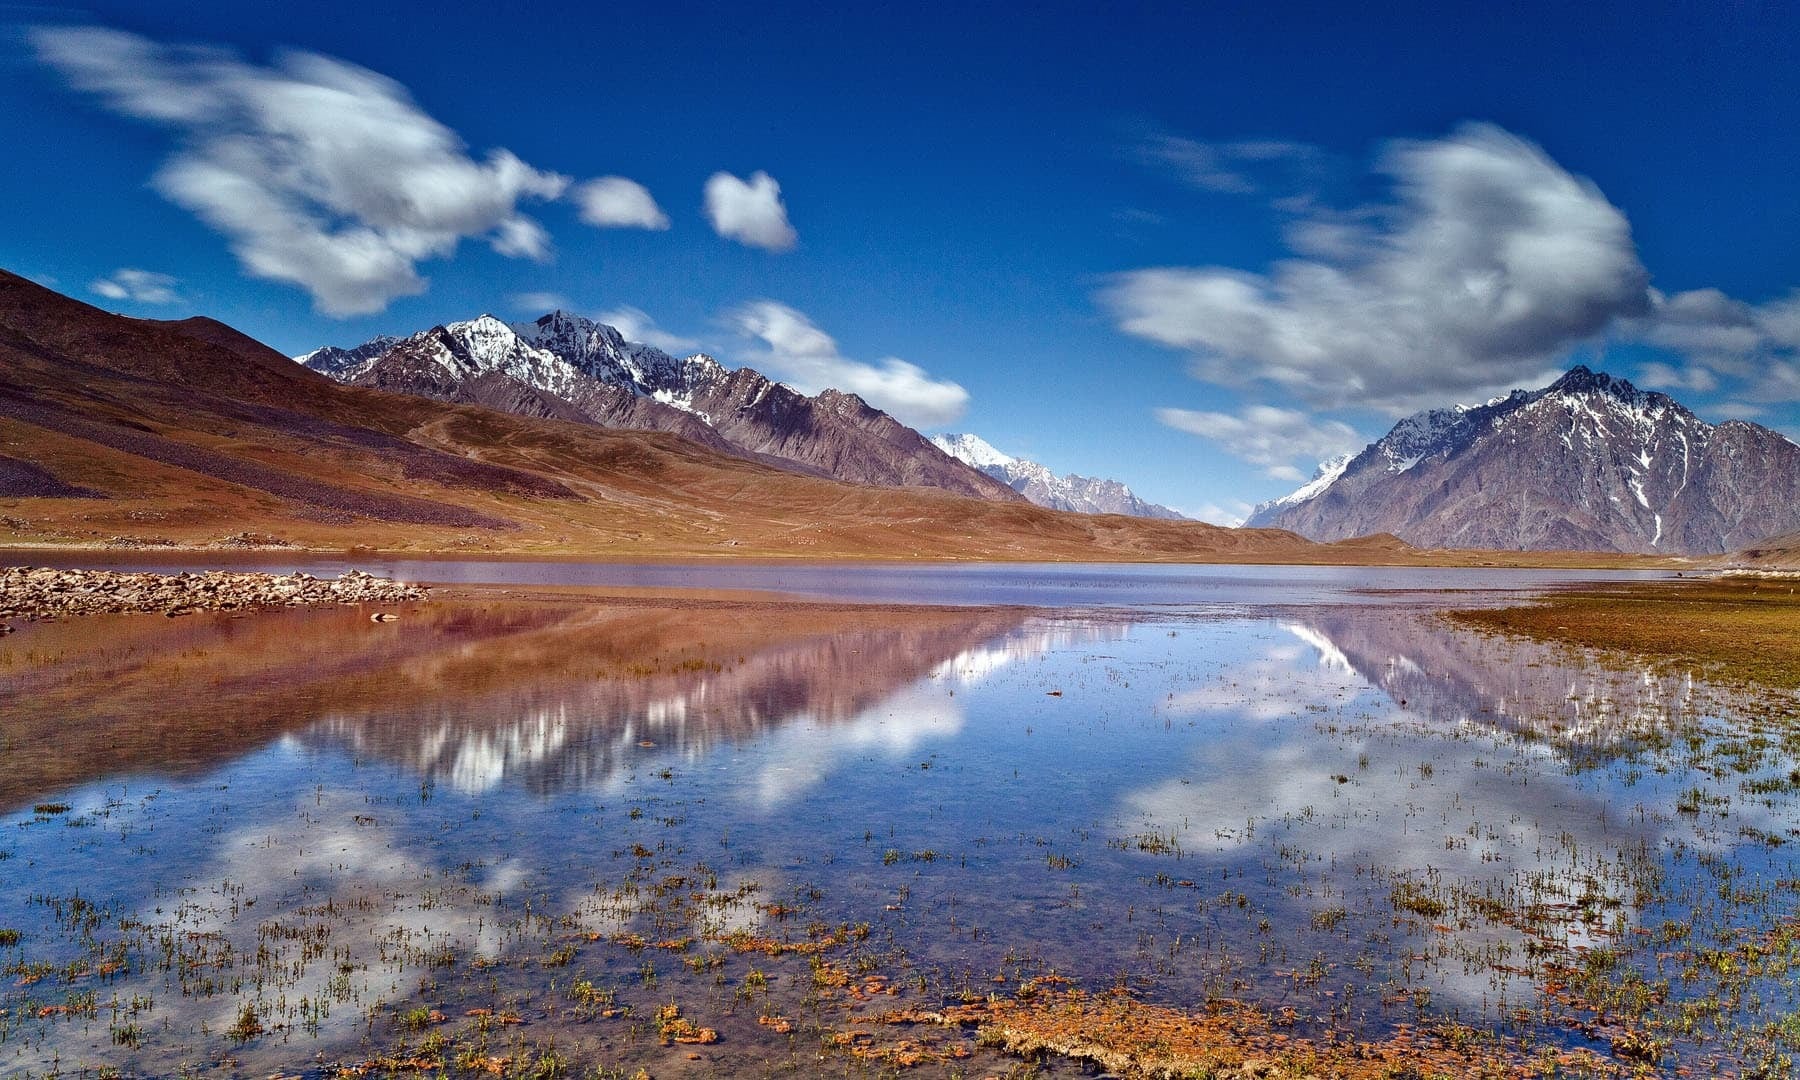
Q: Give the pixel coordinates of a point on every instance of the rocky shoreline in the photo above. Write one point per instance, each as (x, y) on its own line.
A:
(28, 592)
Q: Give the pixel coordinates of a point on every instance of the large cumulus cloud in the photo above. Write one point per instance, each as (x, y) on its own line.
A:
(1488, 262)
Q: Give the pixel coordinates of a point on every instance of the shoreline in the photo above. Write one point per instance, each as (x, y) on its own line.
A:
(41, 594)
(1421, 558)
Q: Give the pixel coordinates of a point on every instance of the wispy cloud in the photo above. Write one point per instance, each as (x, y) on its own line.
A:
(797, 351)
(1235, 167)
(1756, 345)
(636, 325)
(752, 213)
(321, 173)
(1660, 376)
(1487, 265)
(537, 303)
(613, 202)
(138, 287)
(1232, 514)
(1266, 436)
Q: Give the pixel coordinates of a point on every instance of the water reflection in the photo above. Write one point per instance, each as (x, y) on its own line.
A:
(1457, 677)
(843, 688)
(548, 697)
(1364, 814)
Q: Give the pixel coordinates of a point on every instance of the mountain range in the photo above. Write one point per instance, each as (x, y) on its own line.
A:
(1081, 494)
(567, 367)
(145, 432)
(155, 433)
(1589, 462)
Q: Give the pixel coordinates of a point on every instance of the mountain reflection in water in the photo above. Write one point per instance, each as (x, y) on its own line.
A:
(1455, 677)
(653, 699)
(1367, 814)
(546, 696)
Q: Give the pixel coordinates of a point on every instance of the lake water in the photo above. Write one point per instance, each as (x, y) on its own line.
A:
(510, 836)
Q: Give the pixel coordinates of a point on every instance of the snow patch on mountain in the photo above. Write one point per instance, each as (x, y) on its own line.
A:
(554, 353)
(1323, 477)
(347, 364)
(973, 450)
(593, 370)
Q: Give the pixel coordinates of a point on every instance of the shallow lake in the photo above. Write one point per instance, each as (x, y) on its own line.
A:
(509, 836)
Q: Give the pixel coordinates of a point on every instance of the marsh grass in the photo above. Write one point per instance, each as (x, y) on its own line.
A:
(1730, 628)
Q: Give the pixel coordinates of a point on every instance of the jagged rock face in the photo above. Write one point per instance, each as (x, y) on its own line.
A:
(566, 367)
(1081, 494)
(344, 363)
(1589, 462)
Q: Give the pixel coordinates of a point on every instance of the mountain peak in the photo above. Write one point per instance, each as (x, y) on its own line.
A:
(971, 449)
(568, 366)
(1583, 379)
(1589, 462)
(1081, 494)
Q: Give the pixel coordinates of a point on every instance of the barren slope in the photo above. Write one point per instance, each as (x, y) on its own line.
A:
(190, 432)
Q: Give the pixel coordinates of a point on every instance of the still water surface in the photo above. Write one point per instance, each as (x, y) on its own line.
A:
(301, 841)
(1043, 584)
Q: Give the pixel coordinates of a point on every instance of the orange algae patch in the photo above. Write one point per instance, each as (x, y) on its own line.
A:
(672, 1028)
(1227, 1039)
(897, 1053)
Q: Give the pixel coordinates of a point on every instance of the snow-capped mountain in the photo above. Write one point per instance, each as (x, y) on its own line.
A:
(1036, 482)
(344, 363)
(972, 449)
(571, 368)
(1323, 477)
(1589, 462)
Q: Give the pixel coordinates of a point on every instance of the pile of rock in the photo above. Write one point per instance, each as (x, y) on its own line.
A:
(36, 593)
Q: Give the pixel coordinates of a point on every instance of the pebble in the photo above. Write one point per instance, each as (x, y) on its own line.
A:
(28, 592)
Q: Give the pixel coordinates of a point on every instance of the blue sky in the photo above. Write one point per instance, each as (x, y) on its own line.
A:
(1196, 250)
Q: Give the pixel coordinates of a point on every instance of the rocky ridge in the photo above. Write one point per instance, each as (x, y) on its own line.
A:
(566, 367)
(28, 592)
(1071, 491)
(1589, 462)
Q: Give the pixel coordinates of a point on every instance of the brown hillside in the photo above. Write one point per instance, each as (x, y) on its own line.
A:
(190, 432)
(1771, 552)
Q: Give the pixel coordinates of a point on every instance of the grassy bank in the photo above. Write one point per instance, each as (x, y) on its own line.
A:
(1741, 629)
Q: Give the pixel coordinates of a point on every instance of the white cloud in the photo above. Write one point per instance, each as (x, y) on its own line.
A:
(1489, 262)
(1266, 436)
(321, 173)
(1758, 344)
(1233, 168)
(138, 286)
(1231, 515)
(1737, 410)
(613, 202)
(521, 238)
(807, 357)
(750, 213)
(1660, 376)
(537, 303)
(634, 324)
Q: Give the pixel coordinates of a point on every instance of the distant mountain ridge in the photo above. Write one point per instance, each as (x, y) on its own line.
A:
(567, 367)
(1589, 462)
(138, 432)
(1081, 494)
